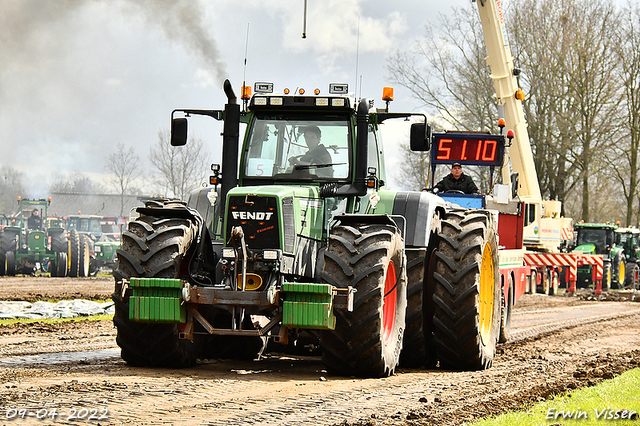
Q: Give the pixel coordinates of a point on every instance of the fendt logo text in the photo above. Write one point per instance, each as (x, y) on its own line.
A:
(252, 215)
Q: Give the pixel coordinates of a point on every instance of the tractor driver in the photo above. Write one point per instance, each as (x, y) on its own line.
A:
(34, 221)
(457, 181)
(317, 153)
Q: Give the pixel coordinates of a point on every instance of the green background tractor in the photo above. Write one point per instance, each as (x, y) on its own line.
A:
(629, 240)
(97, 243)
(32, 242)
(600, 238)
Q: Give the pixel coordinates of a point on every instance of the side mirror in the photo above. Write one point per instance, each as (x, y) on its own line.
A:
(179, 131)
(420, 138)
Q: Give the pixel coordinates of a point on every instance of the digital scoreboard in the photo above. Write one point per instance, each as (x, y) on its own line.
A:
(479, 149)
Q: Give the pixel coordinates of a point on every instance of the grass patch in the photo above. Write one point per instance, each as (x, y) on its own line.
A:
(55, 320)
(598, 404)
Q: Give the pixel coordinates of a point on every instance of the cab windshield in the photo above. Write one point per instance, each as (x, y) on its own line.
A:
(601, 238)
(298, 148)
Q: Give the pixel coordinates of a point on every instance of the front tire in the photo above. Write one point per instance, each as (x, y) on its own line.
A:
(152, 247)
(370, 258)
(466, 291)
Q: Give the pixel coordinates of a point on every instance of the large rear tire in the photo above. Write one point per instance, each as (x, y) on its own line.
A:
(10, 263)
(74, 253)
(84, 260)
(466, 291)
(632, 268)
(418, 348)
(8, 243)
(152, 247)
(370, 258)
(620, 272)
(61, 264)
(59, 248)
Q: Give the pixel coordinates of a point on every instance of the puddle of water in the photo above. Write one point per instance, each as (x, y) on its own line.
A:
(60, 358)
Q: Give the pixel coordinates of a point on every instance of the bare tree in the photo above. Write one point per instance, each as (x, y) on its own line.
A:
(539, 41)
(76, 183)
(414, 168)
(566, 52)
(593, 87)
(11, 187)
(624, 158)
(447, 72)
(124, 164)
(179, 170)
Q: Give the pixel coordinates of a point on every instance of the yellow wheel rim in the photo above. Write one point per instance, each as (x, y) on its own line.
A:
(486, 295)
(621, 274)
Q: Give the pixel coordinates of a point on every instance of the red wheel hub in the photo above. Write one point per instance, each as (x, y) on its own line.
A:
(389, 303)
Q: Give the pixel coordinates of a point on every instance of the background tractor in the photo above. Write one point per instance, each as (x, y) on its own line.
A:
(32, 243)
(600, 238)
(629, 240)
(98, 240)
(301, 248)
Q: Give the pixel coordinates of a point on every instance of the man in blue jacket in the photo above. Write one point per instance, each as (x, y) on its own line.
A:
(457, 181)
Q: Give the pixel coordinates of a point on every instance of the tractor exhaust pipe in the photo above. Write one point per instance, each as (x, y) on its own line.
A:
(362, 129)
(230, 140)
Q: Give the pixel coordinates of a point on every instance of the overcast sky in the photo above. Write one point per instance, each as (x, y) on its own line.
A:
(78, 77)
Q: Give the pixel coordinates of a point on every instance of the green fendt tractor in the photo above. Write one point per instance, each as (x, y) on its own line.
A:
(599, 238)
(32, 242)
(304, 246)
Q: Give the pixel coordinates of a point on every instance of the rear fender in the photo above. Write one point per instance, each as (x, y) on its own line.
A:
(419, 209)
(383, 219)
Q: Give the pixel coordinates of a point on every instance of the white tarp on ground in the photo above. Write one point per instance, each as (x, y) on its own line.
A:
(62, 309)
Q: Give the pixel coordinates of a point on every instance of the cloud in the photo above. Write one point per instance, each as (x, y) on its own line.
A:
(341, 27)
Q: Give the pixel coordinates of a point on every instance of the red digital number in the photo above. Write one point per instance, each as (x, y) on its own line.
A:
(489, 143)
(442, 148)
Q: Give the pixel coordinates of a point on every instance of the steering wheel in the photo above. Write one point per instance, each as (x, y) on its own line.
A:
(295, 159)
(453, 191)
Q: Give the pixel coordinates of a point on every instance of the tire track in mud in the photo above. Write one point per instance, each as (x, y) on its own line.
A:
(555, 326)
(296, 390)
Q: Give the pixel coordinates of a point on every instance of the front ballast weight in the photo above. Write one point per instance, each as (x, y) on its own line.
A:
(175, 301)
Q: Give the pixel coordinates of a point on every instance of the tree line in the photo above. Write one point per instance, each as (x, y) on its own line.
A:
(579, 65)
(175, 172)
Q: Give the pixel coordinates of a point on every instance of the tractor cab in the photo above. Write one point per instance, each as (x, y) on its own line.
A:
(595, 238)
(86, 224)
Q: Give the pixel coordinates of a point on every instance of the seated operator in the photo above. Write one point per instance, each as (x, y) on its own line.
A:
(456, 181)
(317, 153)
(34, 220)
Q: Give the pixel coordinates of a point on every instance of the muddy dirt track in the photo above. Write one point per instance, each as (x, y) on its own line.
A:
(558, 343)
